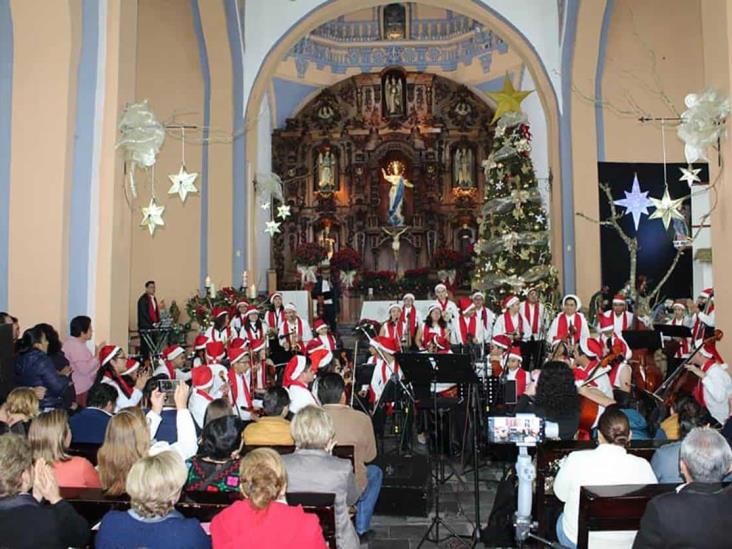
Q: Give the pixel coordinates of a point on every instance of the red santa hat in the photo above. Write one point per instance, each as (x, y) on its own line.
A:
(623, 347)
(502, 341)
(591, 347)
(236, 354)
(199, 344)
(201, 377)
(107, 353)
(219, 311)
(320, 358)
(319, 325)
(707, 293)
(394, 306)
(313, 345)
(294, 368)
(573, 297)
(477, 294)
(618, 299)
(508, 301)
(290, 307)
(606, 324)
(515, 352)
(239, 343)
(252, 310)
(257, 345)
(171, 352)
(240, 303)
(466, 305)
(408, 295)
(439, 287)
(273, 295)
(709, 350)
(433, 307)
(215, 350)
(131, 366)
(679, 304)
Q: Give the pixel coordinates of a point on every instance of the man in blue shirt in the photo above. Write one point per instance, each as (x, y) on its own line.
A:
(89, 424)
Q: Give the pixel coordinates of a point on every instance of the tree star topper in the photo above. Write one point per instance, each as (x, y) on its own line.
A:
(635, 202)
(152, 216)
(272, 228)
(690, 175)
(667, 209)
(182, 183)
(508, 99)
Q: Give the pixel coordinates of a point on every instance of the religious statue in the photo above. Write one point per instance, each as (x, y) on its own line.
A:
(327, 242)
(395, 243)
(393, 95)
(326, 171)
(396, 192)
(463, 167)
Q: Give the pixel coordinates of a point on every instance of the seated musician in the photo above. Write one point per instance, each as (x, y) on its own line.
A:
(298, 377)
(215, 356)
(570, 325)
(294, 332)
(253, 328)
(240, 317)
(394, 326)
(469, 327)
(592, 382)
(121, 373)
(484, 314)
(514, 371)
(199, 350)
(620, 318)
(260, 365)
(608, 464)
(240, 383)
(714, 386)
(697, 514)
(408, 316)
(500, 344)
(433, 324)
(621, 373)
(202, 381)
(512, 322)
(174, 358)
(323, 335)
(272, 429)
(680, 319)
(382, 351)
(220, 329)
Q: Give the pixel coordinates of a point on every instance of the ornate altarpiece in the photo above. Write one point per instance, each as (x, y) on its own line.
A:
(331, 157)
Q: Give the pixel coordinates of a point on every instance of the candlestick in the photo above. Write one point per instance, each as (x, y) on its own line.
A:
(212, 290)
(253, 291)
(207, 283)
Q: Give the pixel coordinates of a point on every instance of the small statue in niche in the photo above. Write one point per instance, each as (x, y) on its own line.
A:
(396, 192)
(326, 112)
(463, 108)
(326, 171)
(395, 22)
(393, 95)
(463, 167)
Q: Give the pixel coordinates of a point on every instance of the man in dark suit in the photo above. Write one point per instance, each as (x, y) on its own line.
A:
(699, 513)
(148, 314)
(89, 424)
(330, 293)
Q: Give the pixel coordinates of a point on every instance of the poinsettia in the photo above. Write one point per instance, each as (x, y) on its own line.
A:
(346, 259)
(309, 254)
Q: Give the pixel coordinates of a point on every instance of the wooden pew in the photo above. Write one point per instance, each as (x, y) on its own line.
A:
(93, 504)
(547, 455)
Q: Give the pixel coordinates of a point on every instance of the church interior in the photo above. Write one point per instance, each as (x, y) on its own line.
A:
(548, 171)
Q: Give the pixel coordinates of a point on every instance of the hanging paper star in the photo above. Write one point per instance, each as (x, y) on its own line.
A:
(667, 209)
(152, 216)
(508, 99)
(690, 175)
(635, 202)
(283, 212)
(264, 205)
(272, 228)
(182, 183)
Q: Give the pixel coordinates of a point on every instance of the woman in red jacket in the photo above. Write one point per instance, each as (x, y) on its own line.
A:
(263, 518)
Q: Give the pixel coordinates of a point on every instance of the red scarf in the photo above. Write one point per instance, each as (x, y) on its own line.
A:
(467, 329)
(532, 318)
(233, 378)
(395, 330)
(204, 394)
(120, 382)
(521, 381)
(411, 320)
(443, 304)
(698, 392)
(171, 370)
(508, 324)
(275, 317)
(152, 309)
(385, 374)
(286, 328)
(252, 332)
(440, 332)
(484, 317)
(329, 342)
(563, 327)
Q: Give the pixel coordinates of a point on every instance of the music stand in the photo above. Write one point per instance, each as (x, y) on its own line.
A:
(431, 369)
(669, 330)
(642, 339)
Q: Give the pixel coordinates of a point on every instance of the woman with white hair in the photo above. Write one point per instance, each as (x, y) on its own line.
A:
(312, 468)
(154, 484)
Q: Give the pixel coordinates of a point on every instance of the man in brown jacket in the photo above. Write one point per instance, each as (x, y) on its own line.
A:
(354, 427)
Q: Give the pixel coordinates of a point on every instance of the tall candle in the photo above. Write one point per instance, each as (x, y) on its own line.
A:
(207, 283)
(253, 292)
(212, 290)
(244, 279)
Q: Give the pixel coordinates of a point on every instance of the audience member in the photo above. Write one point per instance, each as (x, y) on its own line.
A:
(54, 349)
(33, 367)
(556, 399)
(263, 519)
(122, 374)
(25, 521)
(84, 364)
(354, 427)
(272, 429)
(89, 424)
(311, 468)
(698, 513)
(154, 485)
(7, 318)
(608, 464)
(168, 415)
(129, 438)
(18, 410)
(665, 460)
(216, 466)
(50, 438)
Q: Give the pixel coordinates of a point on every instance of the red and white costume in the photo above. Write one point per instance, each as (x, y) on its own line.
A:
(469, 326)
(594, 349)
(239, 318)
(202, 380)
(383, 370)
(215, 352)
(240, 384)
(702, 319)
(409, 318)
(299, 329)
(563, 323)
(127, 394)
(714, 389)
(534, 315)
(322, 335)
(519, 375)
(252, 330)
(508, 324)
(225, 335)
(300, 395)
(165, 366)
(684, 342)
(623, 321)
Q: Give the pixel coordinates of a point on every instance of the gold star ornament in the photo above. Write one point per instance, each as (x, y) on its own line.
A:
(667, 209)
(152, 216)
(508, 99)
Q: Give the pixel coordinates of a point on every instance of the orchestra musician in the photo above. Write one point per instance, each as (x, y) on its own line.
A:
(499, 345)
(260, 364)
(297, 379)
(714, 386)
(172, 362)
(275, 314)
(514, 371)
(512, 322)
(394, 326)
(294, 332)
(680, 319)
(409, 319)
(569, 326)
(433, 324)
(534, 313)
(485, 315)
(447, 307)
(323, 335)
(199, 350)
(202, 380)
(621, 318)
(704, 314)
(215, 355)
(621, 374)
(253, 328)
(470, 328)
(242, 400)
(592, 383)
(220, 330)
(240, 317)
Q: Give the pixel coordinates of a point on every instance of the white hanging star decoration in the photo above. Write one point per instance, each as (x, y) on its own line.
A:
(182, 183)
(283, 212)
(264, 205)
(273, 227)
(152, 216)
(667, 209)
(690, 175)
(635, 202)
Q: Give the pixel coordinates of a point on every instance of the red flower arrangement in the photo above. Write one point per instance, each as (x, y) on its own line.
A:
(346, 259)
(383, 283)
(309, 254)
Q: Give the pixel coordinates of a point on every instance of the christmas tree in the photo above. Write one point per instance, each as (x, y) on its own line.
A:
(512, 252)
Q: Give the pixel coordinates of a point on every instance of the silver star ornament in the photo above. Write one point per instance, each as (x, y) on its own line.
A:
(182, 183)
(283, 212)
(152, 216)
(636, 203)
(264, 205)
(667, 209)
(690, 175)
(273, 227)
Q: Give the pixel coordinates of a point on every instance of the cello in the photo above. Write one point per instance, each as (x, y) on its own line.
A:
(589, 408)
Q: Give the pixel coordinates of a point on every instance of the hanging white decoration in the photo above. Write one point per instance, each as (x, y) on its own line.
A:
(141, 137)
(182, 182)
(690, 175)
(272, 228)
(152, 216)
(283, 212)
(667, 208)
(636, 203)
(702, 124)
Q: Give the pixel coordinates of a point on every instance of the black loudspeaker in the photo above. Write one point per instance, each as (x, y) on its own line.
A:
(7, 381)
(407, 486)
